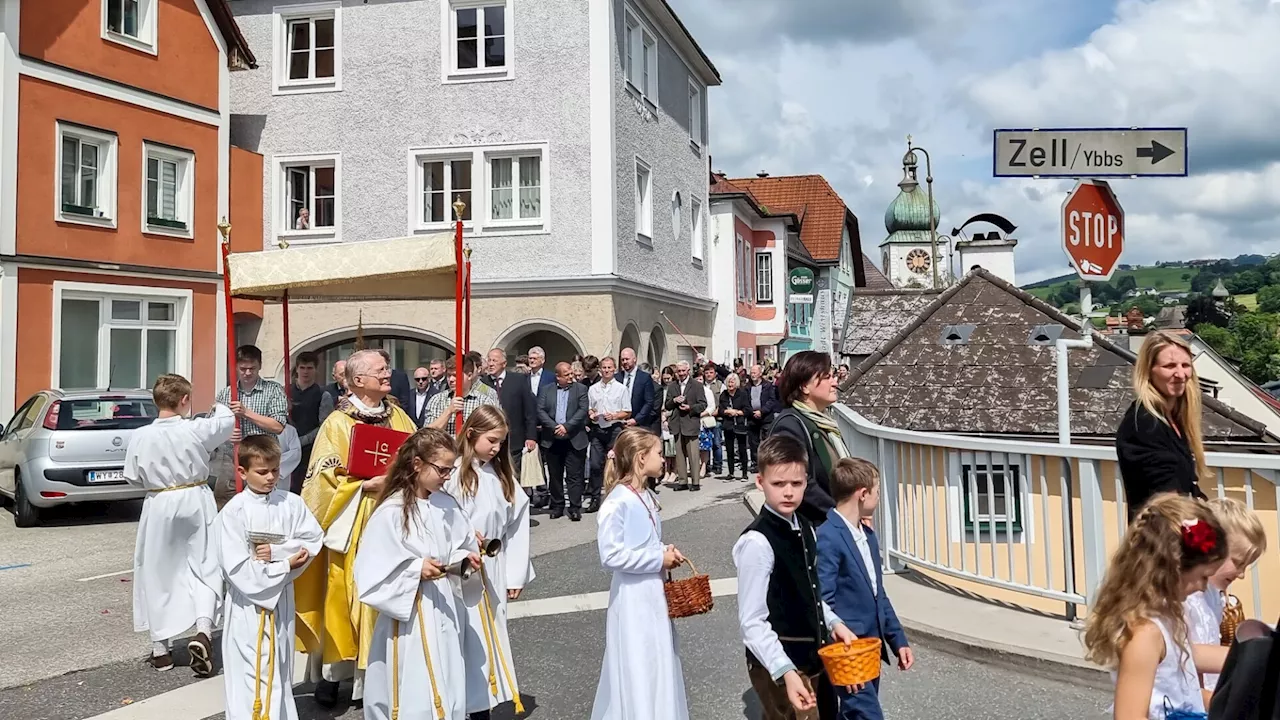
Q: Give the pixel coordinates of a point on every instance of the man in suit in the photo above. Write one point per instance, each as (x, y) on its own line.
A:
(685, 401)
(540, 375)
(644, 407)
(426, 383)
(851, 578)
(517, 403)
(764, 405)
(562, 413)
(338, 388)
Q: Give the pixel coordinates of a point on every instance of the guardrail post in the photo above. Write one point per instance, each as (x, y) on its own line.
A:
(1091, 525)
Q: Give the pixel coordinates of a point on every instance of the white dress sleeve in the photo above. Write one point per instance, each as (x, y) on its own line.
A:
(214, 431)
(304, 534)
(387, 572)
(260, 582)
(519, 566)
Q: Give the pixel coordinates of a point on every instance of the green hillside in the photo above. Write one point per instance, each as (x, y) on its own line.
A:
(1161, 278)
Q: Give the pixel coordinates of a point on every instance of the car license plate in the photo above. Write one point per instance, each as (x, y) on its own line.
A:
(102, 476)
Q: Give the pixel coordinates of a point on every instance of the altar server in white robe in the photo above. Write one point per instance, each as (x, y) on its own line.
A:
(483, 483)
(413, 556)
(176, 579)
(641, 678)
(265, 537)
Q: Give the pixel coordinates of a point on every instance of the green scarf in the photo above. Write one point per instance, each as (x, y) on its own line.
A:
(833, 448)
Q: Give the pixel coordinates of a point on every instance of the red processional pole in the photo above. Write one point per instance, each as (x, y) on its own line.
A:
(466, 309)
(288, 378)
(224, 227)
(459, 207)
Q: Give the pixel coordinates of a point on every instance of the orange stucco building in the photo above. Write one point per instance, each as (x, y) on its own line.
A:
(115, 168)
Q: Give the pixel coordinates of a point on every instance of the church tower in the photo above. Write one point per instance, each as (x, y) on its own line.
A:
(907, 251)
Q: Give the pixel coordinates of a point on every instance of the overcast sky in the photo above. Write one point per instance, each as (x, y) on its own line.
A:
(834, 86)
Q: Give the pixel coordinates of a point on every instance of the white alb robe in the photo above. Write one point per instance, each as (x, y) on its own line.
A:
(388, 577)
(175, 566)
(494, 517)
(254, 586)
(641, 678)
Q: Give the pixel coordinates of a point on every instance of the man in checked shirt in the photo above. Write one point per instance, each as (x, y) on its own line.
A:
(442, 408)
(261, 409)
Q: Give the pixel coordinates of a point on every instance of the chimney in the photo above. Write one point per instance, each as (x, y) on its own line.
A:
(992, 252)
(762, 174)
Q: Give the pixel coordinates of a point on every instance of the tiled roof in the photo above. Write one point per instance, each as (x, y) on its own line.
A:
(812, 199)
(996, 383)
(876, 317)
(875, 279)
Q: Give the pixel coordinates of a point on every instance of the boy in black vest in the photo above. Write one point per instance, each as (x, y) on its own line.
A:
(780, 609)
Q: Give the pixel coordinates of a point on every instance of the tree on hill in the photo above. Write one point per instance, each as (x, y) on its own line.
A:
(1149, 306)
(1269, 299)
(1243, 283)
(1126, 283)
(1259, 349)
(1220, 339)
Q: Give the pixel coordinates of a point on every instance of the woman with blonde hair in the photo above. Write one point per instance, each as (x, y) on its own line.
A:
(641, 677)
(1159, 442)
(484, 484)
(1136, 627)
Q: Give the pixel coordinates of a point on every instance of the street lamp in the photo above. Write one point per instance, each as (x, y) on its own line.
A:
(933, 221)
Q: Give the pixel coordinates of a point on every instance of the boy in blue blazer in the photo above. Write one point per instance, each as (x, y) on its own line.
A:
(850, 578)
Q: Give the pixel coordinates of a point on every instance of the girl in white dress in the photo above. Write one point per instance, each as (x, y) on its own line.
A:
(484, 485)
(413, 555)
(1136, 626)
(641, 678)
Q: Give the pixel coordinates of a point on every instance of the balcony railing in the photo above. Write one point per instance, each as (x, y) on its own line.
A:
(1031, 523)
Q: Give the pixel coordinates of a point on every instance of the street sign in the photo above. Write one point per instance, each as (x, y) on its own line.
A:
(1090, 152)
(801, 298)
(1093, 230)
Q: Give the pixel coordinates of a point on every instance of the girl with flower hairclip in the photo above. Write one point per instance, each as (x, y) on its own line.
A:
(1136, 625)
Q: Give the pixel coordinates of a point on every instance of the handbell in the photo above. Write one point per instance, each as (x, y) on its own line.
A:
(491, 548)
(462, 568)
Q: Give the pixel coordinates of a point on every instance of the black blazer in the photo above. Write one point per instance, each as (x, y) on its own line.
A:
(518, 405)
(575, 419)
(644, 406)
(1153, 459)
(740, 400)
(769, 405)
(817, 500)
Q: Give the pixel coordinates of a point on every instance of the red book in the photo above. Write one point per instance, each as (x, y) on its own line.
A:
(371, 450)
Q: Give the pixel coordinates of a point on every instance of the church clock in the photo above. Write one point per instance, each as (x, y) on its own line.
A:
(918, 261)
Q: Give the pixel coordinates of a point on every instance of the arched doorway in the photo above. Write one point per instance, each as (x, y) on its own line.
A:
(656, 353)
(409, 348)
(558, 342)
(630, 339)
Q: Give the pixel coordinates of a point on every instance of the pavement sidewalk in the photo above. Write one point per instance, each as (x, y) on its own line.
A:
(983, 629)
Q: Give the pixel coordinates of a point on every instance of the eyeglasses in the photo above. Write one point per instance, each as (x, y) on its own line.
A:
(441, 471)
(418, 379)
(376, 375)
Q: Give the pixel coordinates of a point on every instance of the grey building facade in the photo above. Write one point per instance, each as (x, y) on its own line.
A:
(575, 131)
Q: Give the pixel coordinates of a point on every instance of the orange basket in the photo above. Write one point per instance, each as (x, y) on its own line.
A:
(1232, 616)
(690, 596)
(853, 664)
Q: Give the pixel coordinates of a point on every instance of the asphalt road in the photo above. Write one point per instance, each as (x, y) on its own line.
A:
(557, 656)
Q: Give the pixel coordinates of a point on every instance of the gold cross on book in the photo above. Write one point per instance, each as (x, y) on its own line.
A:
(381, 453)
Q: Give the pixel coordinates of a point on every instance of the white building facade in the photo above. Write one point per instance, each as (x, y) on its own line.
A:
(575, 132)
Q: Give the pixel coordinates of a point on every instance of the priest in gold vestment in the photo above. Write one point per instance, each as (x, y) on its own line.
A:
(334, 627)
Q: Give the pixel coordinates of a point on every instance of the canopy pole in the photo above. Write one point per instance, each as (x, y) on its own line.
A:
(288, 377)
(233, 394)
(467, 300)
(459, 207)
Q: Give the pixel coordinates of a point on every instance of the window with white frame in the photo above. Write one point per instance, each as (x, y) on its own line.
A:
(644, 201)
(308, 198)
(308, 54)
(695, 114)
(992, 497)
(86, 175)
(677, 214)
(742, 268)
(169, 191)
(504, 188)
(696, 206)
(130, 22)
(641, 59)
(125, 341)
(764, 277)
(479, 44)
(445, 180)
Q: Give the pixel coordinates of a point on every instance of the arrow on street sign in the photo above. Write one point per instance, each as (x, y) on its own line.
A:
(1090, 152)
(1156, 152)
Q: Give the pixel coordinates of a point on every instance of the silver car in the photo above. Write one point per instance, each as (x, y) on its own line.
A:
(68, 446)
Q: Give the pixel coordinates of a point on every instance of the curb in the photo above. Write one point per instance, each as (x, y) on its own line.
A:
(1049, 665)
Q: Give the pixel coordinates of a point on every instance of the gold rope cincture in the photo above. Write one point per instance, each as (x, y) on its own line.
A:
(179, 487)
(488, 622)
(264, 615)
(395, 661)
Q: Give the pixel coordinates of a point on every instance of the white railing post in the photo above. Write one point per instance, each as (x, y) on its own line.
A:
(891, 513)
(1091, 525)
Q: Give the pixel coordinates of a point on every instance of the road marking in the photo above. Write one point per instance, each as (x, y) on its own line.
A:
(208, 697)
(14, 567)
(107, 575)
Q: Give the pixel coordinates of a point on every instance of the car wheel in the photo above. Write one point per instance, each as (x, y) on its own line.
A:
(25, 514)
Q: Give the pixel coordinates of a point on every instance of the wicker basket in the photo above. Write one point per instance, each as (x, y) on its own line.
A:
(853, 664)
(691, 596)
(1232, 616)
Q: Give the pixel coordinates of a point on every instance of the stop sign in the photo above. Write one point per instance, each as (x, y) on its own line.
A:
(1093, 229)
